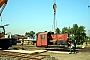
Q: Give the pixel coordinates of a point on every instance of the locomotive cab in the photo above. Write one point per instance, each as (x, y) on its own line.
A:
(2, 31)
(46, 39)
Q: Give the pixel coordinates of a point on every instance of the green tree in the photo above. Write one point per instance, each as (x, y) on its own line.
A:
(65, 29)
(57, 31)
(79, 33)
(75, 29)
(68, 30)
(71, 31)
(30, 34)
(27, 34)
(76, 32)
(82, 34)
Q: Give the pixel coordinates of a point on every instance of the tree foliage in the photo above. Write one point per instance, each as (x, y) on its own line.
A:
(57, 31)
(65, 29)
(76, 32)
(30, 34)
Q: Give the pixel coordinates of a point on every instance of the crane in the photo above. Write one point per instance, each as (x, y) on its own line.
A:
(2, 5)
(5, 43)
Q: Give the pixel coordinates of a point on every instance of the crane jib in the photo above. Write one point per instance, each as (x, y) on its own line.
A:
(2, 5)
(2, 9)
(3, 2)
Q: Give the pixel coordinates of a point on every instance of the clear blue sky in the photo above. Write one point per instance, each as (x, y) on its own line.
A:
(37, 15)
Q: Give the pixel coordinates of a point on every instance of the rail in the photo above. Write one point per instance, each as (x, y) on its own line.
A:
(22, 56)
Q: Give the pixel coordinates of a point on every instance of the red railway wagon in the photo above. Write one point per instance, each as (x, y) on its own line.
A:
(46, 39)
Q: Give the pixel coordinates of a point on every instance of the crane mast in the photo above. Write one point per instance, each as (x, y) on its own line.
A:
(88, 21)
(54, 7)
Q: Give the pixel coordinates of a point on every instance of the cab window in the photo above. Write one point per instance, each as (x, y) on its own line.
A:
(43, 36)
(1, 30)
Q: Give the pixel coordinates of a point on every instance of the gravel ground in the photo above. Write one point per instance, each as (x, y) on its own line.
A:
(18, 56)
(78, 56)
(84, 54)
(86, 49)
(10, 58)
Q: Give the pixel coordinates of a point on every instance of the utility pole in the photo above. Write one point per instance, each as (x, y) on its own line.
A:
(52, 27)
(54, 7)
(88, 33)
(88, 22)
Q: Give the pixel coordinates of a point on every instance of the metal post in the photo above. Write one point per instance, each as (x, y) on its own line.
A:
(88, 33)
(52, 27)
(22, 43)
(54, 21)
(88, 21)
(54, 7)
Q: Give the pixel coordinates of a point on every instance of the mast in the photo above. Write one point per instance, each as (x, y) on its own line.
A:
(54, 21)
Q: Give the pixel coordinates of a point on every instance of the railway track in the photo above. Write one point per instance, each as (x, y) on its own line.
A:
(8, 55)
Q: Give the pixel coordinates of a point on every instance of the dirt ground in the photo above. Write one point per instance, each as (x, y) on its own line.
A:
(84, 54)
(78, 56)
(86, 49)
